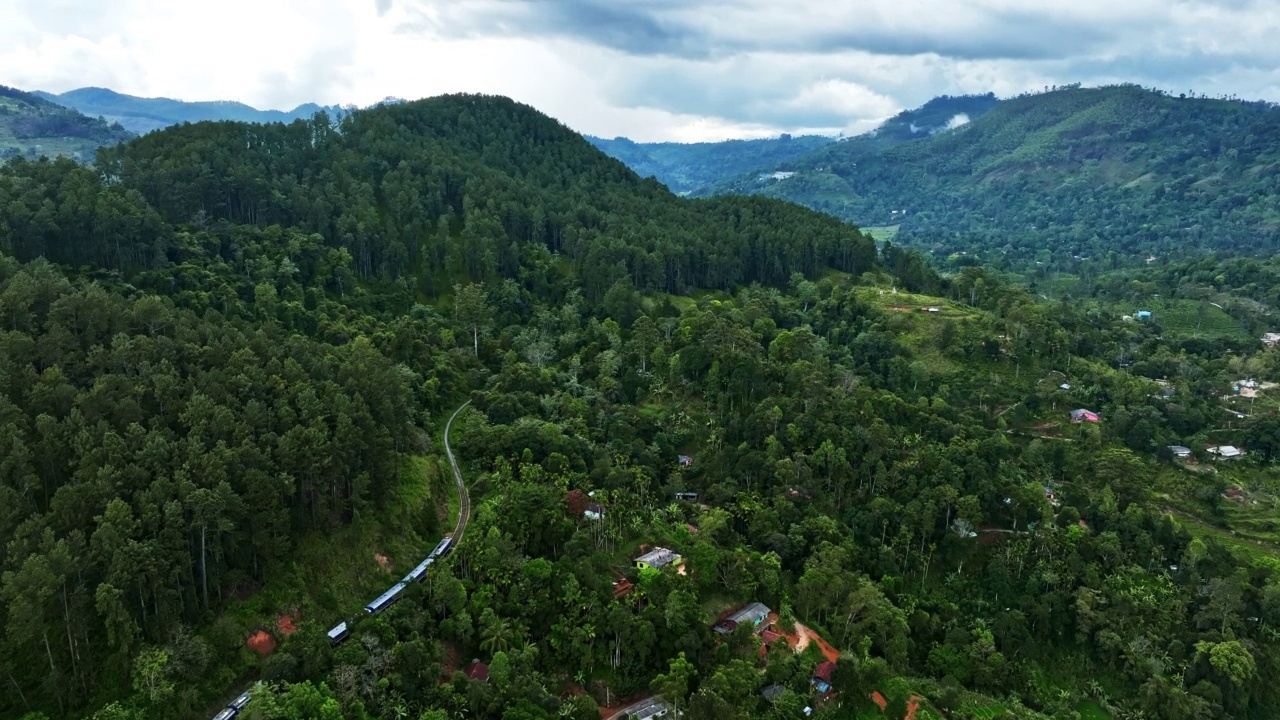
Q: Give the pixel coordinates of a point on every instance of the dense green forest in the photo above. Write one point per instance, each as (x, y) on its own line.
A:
(1115, 173)
(31, 127)
(142, 115)
(686, 167)
(229, 349)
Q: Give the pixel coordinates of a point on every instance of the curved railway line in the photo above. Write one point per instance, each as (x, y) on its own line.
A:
(464, 500)
(340, 631)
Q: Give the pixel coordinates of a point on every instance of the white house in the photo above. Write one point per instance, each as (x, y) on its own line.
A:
(1226, 451)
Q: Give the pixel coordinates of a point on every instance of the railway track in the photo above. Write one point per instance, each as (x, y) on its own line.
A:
(464, 515)
(464, 500)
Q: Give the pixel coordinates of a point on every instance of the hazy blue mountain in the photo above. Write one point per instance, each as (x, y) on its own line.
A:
(685, 167)
(142, 115)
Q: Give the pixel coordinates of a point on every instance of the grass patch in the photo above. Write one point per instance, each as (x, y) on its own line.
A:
(881, 233)
(1183, 317)
(1246, 550)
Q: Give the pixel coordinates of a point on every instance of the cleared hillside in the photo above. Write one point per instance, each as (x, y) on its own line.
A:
(33, 127)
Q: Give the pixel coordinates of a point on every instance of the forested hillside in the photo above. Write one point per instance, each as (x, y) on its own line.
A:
(246, 345)
(33, 127)
(227, 347)
(687, 167)
(142, 115)
(1071, 172)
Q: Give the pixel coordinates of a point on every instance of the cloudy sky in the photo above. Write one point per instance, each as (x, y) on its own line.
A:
(649, 69)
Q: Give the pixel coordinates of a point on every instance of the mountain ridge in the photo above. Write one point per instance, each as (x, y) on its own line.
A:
(1072, 172)
(145, 114)
(687, 167)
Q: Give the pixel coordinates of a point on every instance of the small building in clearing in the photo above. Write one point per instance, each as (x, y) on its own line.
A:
(1225, 452)
(822, 676)
(658, 558)
(755, 614)
(478, 671)
(1271, 339)
(1180, 451)
(1081, 415)
(1143, 315)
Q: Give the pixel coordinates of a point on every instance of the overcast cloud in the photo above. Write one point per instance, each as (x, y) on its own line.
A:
(648, 69)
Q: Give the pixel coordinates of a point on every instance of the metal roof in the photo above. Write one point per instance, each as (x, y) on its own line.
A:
(658, 557)
(385, 597)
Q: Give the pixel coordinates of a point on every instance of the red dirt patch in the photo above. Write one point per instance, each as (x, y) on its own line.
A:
(804, 636)
(383, 561)
(286, 623)
(879, 700)
(262, 643)
(912, 706)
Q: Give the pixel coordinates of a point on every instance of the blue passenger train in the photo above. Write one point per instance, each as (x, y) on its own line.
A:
(339, 632)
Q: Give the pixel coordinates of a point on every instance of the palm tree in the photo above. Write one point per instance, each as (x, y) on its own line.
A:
(496, 636)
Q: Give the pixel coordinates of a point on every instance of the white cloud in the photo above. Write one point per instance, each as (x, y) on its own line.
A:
(662, 69)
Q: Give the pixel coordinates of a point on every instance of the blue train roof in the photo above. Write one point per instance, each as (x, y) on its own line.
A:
(385, 597)
(418, 572)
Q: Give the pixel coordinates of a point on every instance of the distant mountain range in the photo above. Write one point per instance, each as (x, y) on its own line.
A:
(687, 167)
(1045, 179)
(142, 115)
(1054, 177)
(31, 126)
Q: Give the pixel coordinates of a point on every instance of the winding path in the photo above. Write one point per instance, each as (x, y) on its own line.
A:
(464, 500)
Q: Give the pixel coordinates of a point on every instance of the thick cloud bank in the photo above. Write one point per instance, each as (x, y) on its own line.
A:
(651, 69)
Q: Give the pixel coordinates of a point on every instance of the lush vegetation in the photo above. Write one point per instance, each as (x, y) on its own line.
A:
(1072, 175)
(229, 345)
(142, 115)
(33, 127)
(687, 167)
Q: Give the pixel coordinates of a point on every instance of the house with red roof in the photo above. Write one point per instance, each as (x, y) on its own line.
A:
(767, 638)
(1082, 415)
(478, 671)
(821, 679)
